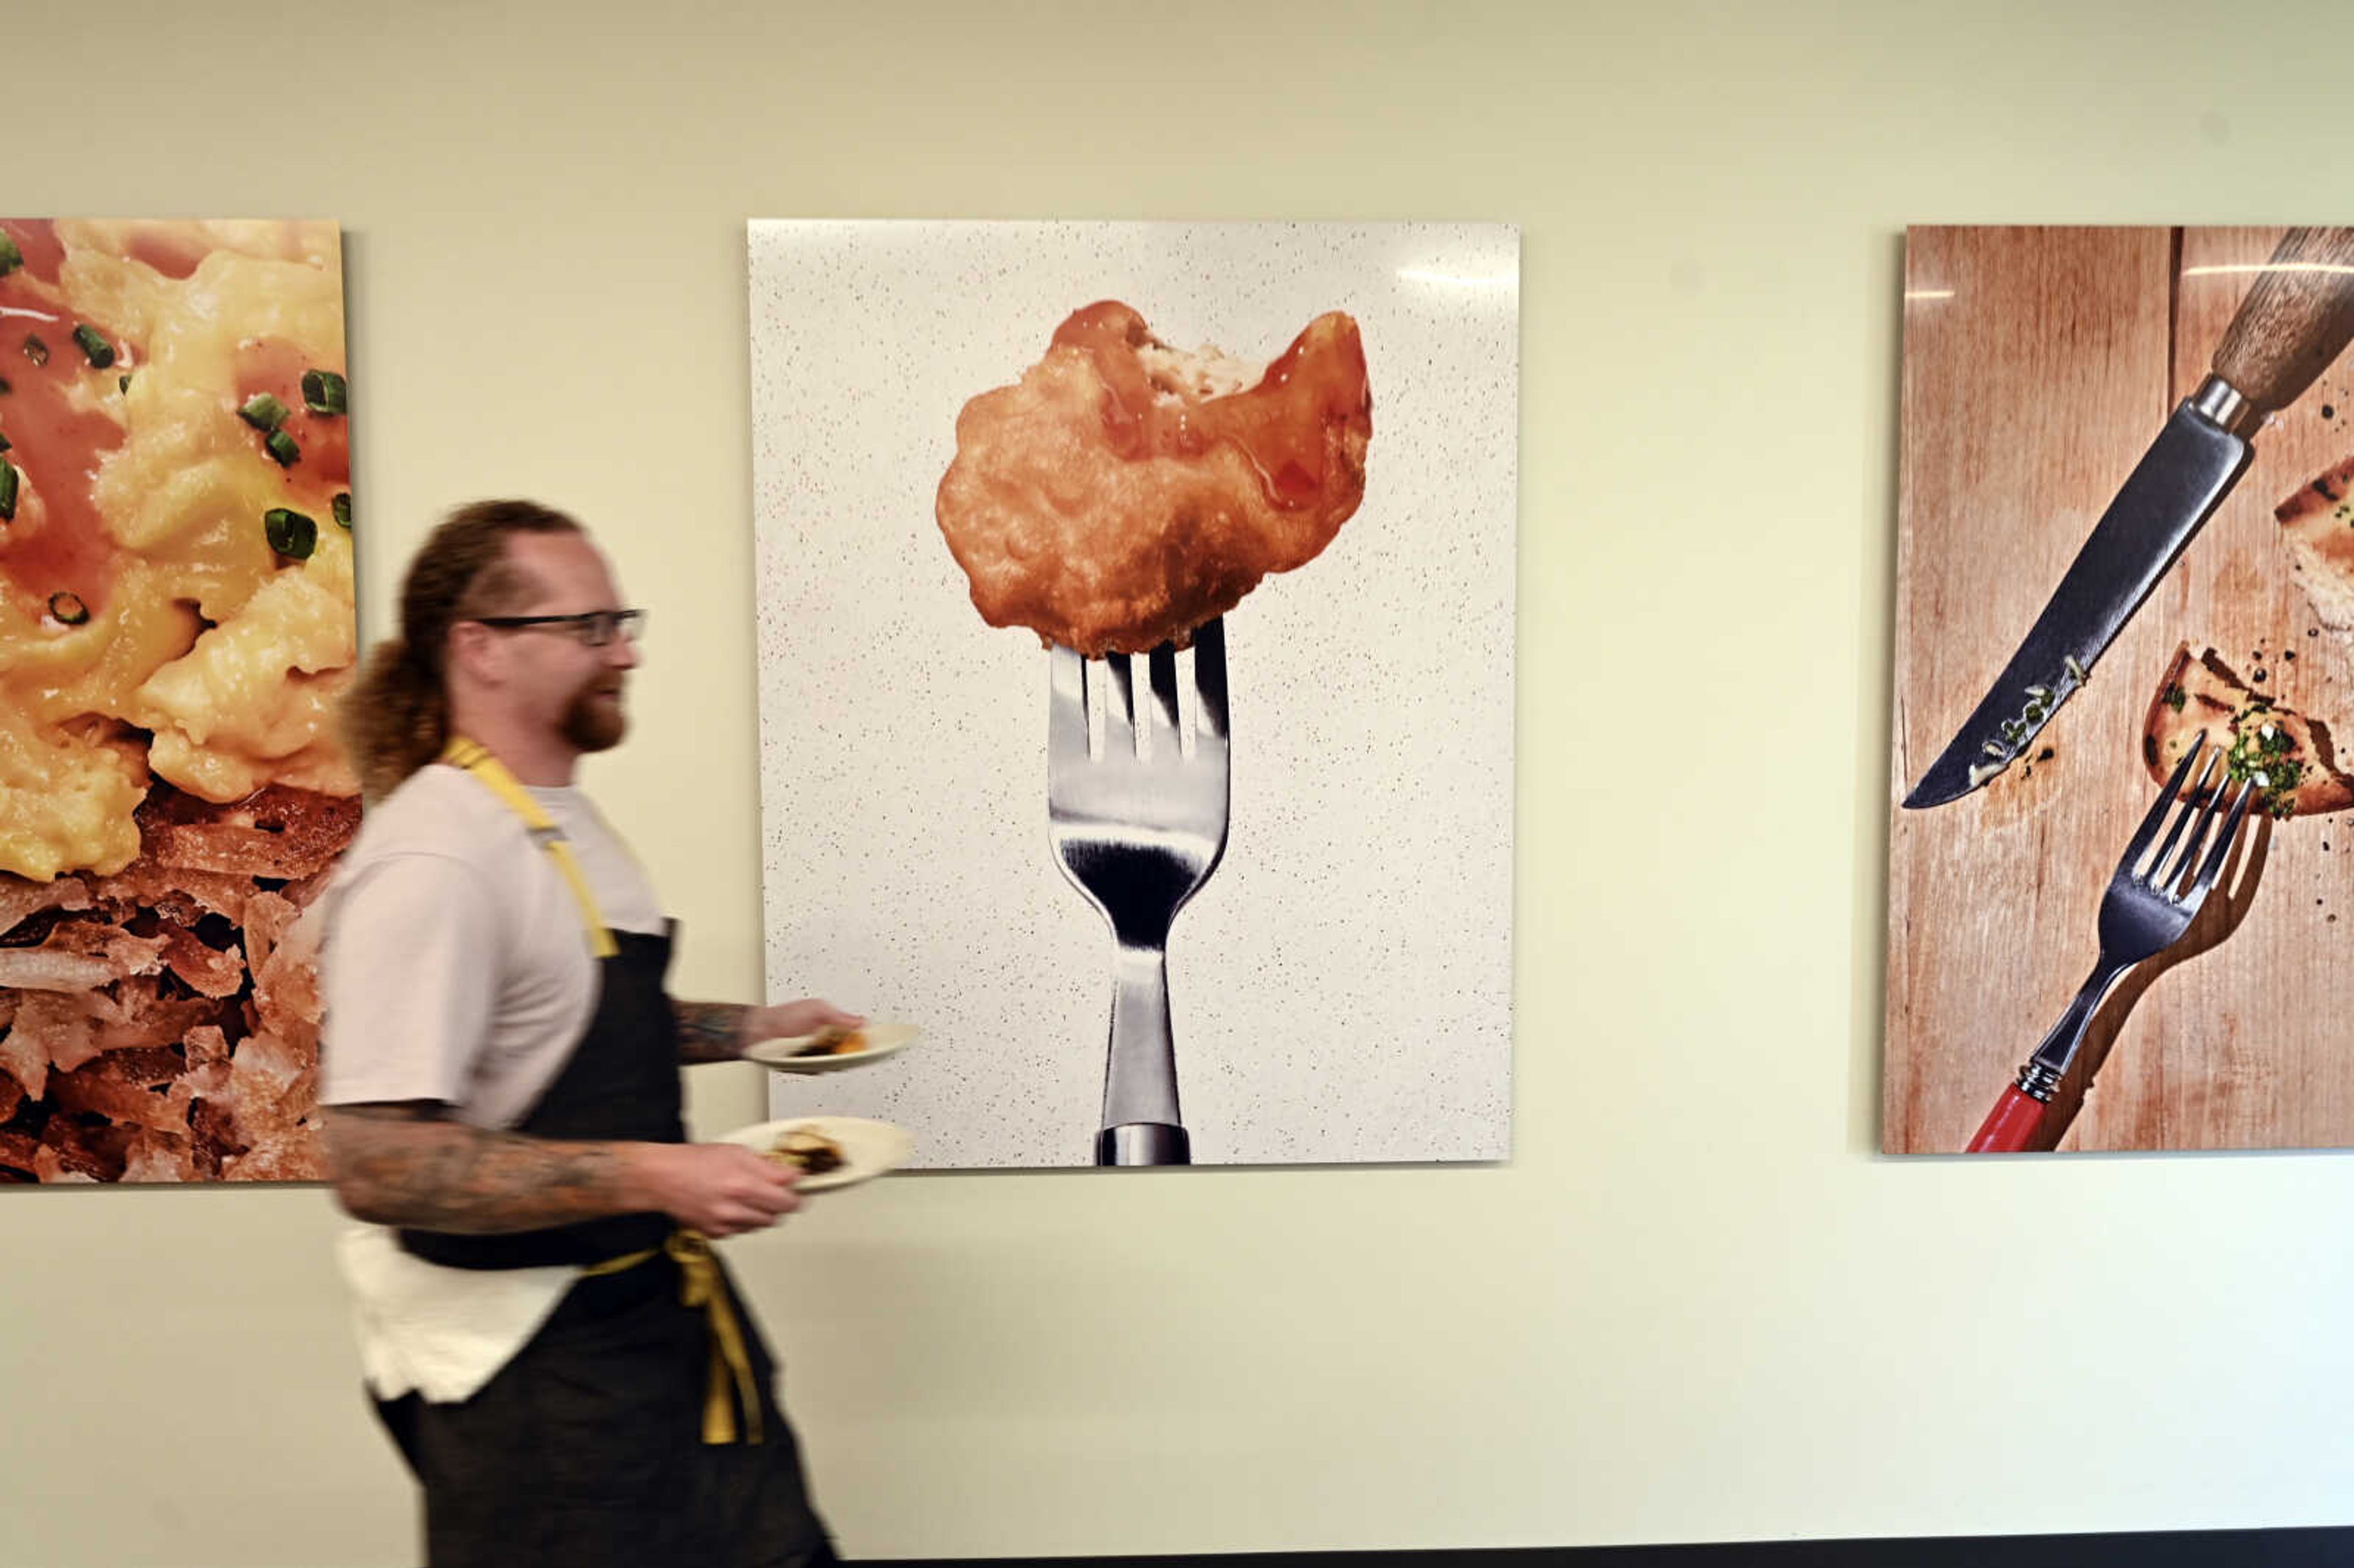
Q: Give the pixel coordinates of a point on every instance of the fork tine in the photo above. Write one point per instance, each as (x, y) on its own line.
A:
(1209, 679)
(2223, 849)
(1119, 707)
(2167, 871)
(1159, 717)
(1066, 706)
(2166, 799)
(2174, 797)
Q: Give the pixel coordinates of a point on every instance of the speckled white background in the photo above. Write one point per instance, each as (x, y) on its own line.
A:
(1340, 989)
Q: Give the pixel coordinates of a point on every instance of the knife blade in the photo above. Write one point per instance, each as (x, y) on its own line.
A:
(2297, 316)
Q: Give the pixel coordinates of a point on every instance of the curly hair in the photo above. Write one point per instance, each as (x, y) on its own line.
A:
(396, 717)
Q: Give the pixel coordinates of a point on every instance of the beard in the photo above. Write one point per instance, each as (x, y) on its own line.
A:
(593, 720)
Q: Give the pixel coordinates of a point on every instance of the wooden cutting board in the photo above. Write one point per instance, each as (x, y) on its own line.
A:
(2039, 364)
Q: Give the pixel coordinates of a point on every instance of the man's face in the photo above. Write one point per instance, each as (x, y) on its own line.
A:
(556, 677)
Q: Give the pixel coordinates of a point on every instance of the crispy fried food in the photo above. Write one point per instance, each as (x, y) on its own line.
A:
(161, 1024)
(2290, 757)
(834, 1040)
(1122, 493)
(810, 1153)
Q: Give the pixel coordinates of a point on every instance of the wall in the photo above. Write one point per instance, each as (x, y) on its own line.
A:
(1695, 1306)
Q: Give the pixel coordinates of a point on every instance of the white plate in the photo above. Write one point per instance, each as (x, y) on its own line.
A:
(868, 1147)
(882, 1039)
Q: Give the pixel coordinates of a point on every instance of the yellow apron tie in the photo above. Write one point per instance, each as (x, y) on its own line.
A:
(471, 756)
(731, 1357)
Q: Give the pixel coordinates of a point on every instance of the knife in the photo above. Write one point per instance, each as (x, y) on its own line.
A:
(2297, 316)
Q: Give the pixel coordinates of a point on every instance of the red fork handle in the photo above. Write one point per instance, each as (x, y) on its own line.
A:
(2011, 1125)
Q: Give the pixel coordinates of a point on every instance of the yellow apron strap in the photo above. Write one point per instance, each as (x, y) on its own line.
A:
(470, 757)
(731, 1356)
(703, 1286)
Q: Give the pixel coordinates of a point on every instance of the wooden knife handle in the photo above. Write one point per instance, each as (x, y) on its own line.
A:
(2297, 316)
(2011, 1125)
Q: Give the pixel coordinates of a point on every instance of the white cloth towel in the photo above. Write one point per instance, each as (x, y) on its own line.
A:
(443, 1332)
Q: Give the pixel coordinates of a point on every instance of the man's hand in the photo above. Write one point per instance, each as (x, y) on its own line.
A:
(788, 1020)
(719, 1189)
(718, 1030)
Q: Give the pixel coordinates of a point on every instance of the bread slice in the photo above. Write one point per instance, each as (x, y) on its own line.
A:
(2318, 526)
(2290, 756)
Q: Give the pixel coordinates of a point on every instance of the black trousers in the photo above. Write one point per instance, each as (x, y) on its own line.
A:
(587, 1451)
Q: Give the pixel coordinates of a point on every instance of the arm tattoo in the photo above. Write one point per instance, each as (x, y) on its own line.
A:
(710, 1030)
(410, 1165)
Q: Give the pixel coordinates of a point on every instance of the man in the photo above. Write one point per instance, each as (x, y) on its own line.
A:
(560, 1358)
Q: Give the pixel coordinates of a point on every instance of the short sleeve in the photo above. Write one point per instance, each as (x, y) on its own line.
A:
(411, 967)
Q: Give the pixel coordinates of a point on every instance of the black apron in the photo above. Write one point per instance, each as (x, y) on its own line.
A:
(586, 1450)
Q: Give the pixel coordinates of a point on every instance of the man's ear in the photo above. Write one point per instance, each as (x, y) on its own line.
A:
(474, 650)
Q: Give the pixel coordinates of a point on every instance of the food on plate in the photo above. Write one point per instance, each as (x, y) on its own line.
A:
(834, 1040)
(175, 627)
(811, 1153)
(2289, 756)
(2317, 525)
(1124, 493)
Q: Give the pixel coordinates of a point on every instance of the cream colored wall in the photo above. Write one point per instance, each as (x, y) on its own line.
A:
(1696, 1306)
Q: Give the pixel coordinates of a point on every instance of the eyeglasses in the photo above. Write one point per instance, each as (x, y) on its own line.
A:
(596, 628)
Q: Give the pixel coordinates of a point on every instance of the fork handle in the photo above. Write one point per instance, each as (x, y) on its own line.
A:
(1141, 1124)
(1144, 1143)
(2012, 1124)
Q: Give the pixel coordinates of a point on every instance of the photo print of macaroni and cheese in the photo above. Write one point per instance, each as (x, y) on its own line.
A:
(1250, 487)
(175, 625)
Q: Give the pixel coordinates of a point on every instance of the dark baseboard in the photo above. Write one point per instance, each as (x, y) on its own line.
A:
(2329, 1547)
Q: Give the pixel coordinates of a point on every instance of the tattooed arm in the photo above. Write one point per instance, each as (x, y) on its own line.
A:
(718, 1030)
(410, 1164)
(711, 1031)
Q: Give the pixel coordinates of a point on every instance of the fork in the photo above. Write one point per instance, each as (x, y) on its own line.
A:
(1138, 825)
(2144, 912)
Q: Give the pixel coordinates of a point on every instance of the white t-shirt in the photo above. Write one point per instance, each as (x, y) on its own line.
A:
(456, 964)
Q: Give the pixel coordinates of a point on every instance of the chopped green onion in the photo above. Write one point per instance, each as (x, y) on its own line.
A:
(10, 257)
(3, 441)
(290, 533)
(122, 382)
(282, 447)
(36, 350)
(4, 388)
(99, 352)
(263, 412)
(323, 392)
(68, 607)
(8, 492)
(343, 504)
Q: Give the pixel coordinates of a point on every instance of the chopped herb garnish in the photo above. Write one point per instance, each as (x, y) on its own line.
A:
(2175, 697)
(122, 382)
(69, 608)
(36, 350)
(343, 506)
(282, 447)
(323, 392)
(7, 492)
(3, 442)
(263, 412)
(4, 388)
(290, 533)
(94, 348)
(10, 257)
